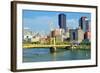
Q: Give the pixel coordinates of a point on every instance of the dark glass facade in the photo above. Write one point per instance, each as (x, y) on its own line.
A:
(84, 24)
(62, 21)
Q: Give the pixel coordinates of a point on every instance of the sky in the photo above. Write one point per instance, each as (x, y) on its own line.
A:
(43, 21)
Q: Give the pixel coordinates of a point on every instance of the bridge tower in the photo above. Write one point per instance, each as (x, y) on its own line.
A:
(52, 49)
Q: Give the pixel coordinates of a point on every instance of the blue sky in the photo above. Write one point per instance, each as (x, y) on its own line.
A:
(39, 21)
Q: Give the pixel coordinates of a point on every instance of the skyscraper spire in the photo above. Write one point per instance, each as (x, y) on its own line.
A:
(84, 23)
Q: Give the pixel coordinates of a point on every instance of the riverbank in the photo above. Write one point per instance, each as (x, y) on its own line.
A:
(81, 47)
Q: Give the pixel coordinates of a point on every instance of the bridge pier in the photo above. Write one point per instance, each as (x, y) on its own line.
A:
(53, 49)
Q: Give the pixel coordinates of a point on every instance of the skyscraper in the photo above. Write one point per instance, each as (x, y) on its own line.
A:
(62, 21)
(76, 35)
(84, 23)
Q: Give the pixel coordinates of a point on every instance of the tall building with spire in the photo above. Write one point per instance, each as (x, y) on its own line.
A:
(84, 23)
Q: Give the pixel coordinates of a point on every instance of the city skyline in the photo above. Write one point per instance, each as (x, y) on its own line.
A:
(48, 31)
(40, 20)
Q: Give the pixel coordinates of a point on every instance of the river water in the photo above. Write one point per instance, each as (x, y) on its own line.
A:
(44, 55)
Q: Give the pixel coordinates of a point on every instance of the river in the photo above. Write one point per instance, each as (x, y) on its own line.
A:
(44, 55)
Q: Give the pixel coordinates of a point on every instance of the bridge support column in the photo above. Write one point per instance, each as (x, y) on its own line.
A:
(53, 49)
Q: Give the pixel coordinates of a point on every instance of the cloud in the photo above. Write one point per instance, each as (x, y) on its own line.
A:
(72, 23)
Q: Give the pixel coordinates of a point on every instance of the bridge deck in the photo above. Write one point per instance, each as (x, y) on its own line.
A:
(44, 46)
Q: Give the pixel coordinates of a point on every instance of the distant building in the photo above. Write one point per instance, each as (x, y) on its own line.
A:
(62, 21)
(30, 36)
(67, 34)
(87, 35)
(84, 23)
(27, 35)
(76, 35)
(35, 39)
(58, 34)
(44, 40)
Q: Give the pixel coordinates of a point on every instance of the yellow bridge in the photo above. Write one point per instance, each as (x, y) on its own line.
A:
(44, 46)
(53, 48)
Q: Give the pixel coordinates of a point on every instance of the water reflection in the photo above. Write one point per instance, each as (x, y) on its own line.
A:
(44, 54)
(54, 56)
